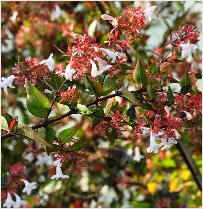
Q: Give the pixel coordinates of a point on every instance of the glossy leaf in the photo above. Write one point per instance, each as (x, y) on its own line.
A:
(37, 104)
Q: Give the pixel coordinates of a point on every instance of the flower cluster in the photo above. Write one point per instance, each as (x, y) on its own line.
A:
(185, 34)
(77, 159)
(189, 103)
(31, 70)
(67, 95)
(132, 21)
(15, 180)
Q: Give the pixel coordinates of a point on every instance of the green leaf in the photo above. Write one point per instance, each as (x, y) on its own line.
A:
(109, 85)
(83, 109)
(180, 6)
(94, 86)
(107, 109)
(78, 145)
(4, 124)
(185, 84)
(79, 133)
(139, 74)
(128, 95)
(67, 134)
(186, 80)
(153, 69)
(8, 118)
(50, 134)
(37, 104)
(32, 134)
(56, 80)
(125, 67)
(170, 96)
(150, 92)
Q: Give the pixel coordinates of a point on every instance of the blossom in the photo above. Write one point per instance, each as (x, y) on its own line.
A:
(103, 66)
(69, 72)
(68, 95)
(149, 12)
(167, 109)
(43, 159)
(84, 181)
(188, 115)
(49, 62)
(9, 202)
(29, 157)
(19, 202)
(13, 17)
(185, 34)
(111, 19)
(17, 170)
(29, 187)
(59, 173)
(107, 195)
(138, 156)
(132, 21)
(7, 82)
(93, 204)
(56, 13)
(113, 55)
(177, 135)
(187, 49)
(94, 70)
(29, 70)
(153, 146)
(167, 142)
(145, 130)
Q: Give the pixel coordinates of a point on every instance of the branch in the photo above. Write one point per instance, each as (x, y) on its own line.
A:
(187, 157)
(72, 111)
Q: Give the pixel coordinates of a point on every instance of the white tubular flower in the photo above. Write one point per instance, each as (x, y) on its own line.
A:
(29, 157)
(93, 204)
(29, 187)
(167, 142)
(111, 19)
(149, 12)
(9, 203)
(103, 66)
(187, 49)
(49, 62)
(59, 173)
(107, 195)
(145, 130)
(19, 202)
(13, 17)
(137, 157)
(167, 109)
(7, 82)
(177, 135)
(153, 146)
(84, 181)
(43, 159)
(56, 13)
(112, 55)
(69, 72)
(94, 70)
(188, 115)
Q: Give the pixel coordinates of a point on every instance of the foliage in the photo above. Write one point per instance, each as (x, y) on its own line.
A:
(94, 107)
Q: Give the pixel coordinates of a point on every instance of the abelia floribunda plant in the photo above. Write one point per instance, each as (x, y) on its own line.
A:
(113, 88)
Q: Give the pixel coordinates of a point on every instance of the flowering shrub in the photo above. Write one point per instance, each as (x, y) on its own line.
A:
(91, 116)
